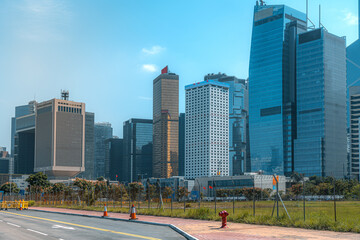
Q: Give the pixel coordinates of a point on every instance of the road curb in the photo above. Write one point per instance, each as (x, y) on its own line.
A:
(173, 227)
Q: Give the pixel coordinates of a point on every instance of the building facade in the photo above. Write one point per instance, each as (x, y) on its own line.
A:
(320, 147)
(4, 160)
(23, 139)
(238, 118)
(138, 149)
(354, 94)
(182, 144)
(89, 147)
(272, 87)
(102, 131)
(165, 125)
(207, 129)
(114, 159)
(60, 138)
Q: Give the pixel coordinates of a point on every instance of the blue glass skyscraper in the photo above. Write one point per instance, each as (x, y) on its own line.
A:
(320, 147)
(272, 87)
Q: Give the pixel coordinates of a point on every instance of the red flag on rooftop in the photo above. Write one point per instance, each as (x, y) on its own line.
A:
(164, 70)
(204, 188)
(210, 187)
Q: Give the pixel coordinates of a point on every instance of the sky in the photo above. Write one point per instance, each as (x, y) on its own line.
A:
(107, 53)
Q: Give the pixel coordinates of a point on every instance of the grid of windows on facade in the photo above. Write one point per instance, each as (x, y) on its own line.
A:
(354, 130)
(207, 131)
(69, 107)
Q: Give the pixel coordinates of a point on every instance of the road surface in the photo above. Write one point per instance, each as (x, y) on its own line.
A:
(31, 225)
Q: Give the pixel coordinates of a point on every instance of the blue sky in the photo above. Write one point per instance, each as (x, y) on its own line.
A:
(106, 53)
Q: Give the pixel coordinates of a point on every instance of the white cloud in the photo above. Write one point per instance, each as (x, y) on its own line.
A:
(154, 50)
(145, 98)
(350, 18)
(149, 67)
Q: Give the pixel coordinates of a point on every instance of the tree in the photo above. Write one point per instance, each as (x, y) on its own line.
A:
(167, 192)
(6, 188)
(135, 189)
(101, 178)
(38, 180)
(181, 193)
(296, 177)
(150, 191)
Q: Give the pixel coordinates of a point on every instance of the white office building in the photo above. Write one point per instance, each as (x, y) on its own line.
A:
(207, 129)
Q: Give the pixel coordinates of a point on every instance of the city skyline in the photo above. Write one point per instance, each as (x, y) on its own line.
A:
(46, 50)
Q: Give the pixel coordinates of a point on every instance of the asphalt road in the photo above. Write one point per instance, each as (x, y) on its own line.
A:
(32, 225)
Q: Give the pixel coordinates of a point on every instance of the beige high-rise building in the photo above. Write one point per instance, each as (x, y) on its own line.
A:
(60, 138)
(165, 125)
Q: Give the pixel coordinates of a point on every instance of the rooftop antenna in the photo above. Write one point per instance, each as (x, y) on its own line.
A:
(262, 3)
(320, 24)
(307, 17)
(64, 94)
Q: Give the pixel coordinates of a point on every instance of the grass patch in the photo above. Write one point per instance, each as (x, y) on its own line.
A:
(319, 215)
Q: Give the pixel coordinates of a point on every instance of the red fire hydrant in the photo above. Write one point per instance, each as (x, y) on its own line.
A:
(223, 215)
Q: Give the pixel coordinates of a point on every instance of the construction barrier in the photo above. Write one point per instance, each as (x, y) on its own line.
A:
(15, 204)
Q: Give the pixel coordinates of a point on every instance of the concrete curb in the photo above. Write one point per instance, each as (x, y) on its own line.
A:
(173, 227)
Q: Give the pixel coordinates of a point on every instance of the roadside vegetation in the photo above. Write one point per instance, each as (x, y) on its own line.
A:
(341, 215)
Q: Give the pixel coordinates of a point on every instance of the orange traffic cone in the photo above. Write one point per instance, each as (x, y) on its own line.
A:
(133, 213)
(105, 211)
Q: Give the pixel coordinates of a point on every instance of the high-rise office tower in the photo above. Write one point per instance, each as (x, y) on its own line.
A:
(182, 144)
(320, 147)
(352, 79)
(4, 160)
(207, 129)
(165, 125)
(102, 131)
(238, 117)
(354, 93)
(89, 147)
(60, 138)
(138, 149)
(272, 87)
(23, 139)
(114, 159)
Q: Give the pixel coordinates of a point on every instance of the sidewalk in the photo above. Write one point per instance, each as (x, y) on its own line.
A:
(209, 230)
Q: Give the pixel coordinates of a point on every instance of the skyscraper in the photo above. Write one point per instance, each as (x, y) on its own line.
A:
(114, 159)
(102, 131)
(60, 138)
(238, 118)
(89, 146)
(207, 129)
(272, 87)
(320, 147)
(354, 93)
(138, 149)
(23, 138)
(4, 160)
(165, 125)
(182, 144)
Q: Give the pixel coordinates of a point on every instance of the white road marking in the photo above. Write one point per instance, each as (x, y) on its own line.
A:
(64, 227)
(1, 220)
(36, 232)
(13, 224)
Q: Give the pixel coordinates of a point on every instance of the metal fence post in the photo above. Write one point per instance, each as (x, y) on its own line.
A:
(334, 200)
(304, 198)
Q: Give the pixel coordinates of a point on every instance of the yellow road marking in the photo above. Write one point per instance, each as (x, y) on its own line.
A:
(83, 226)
